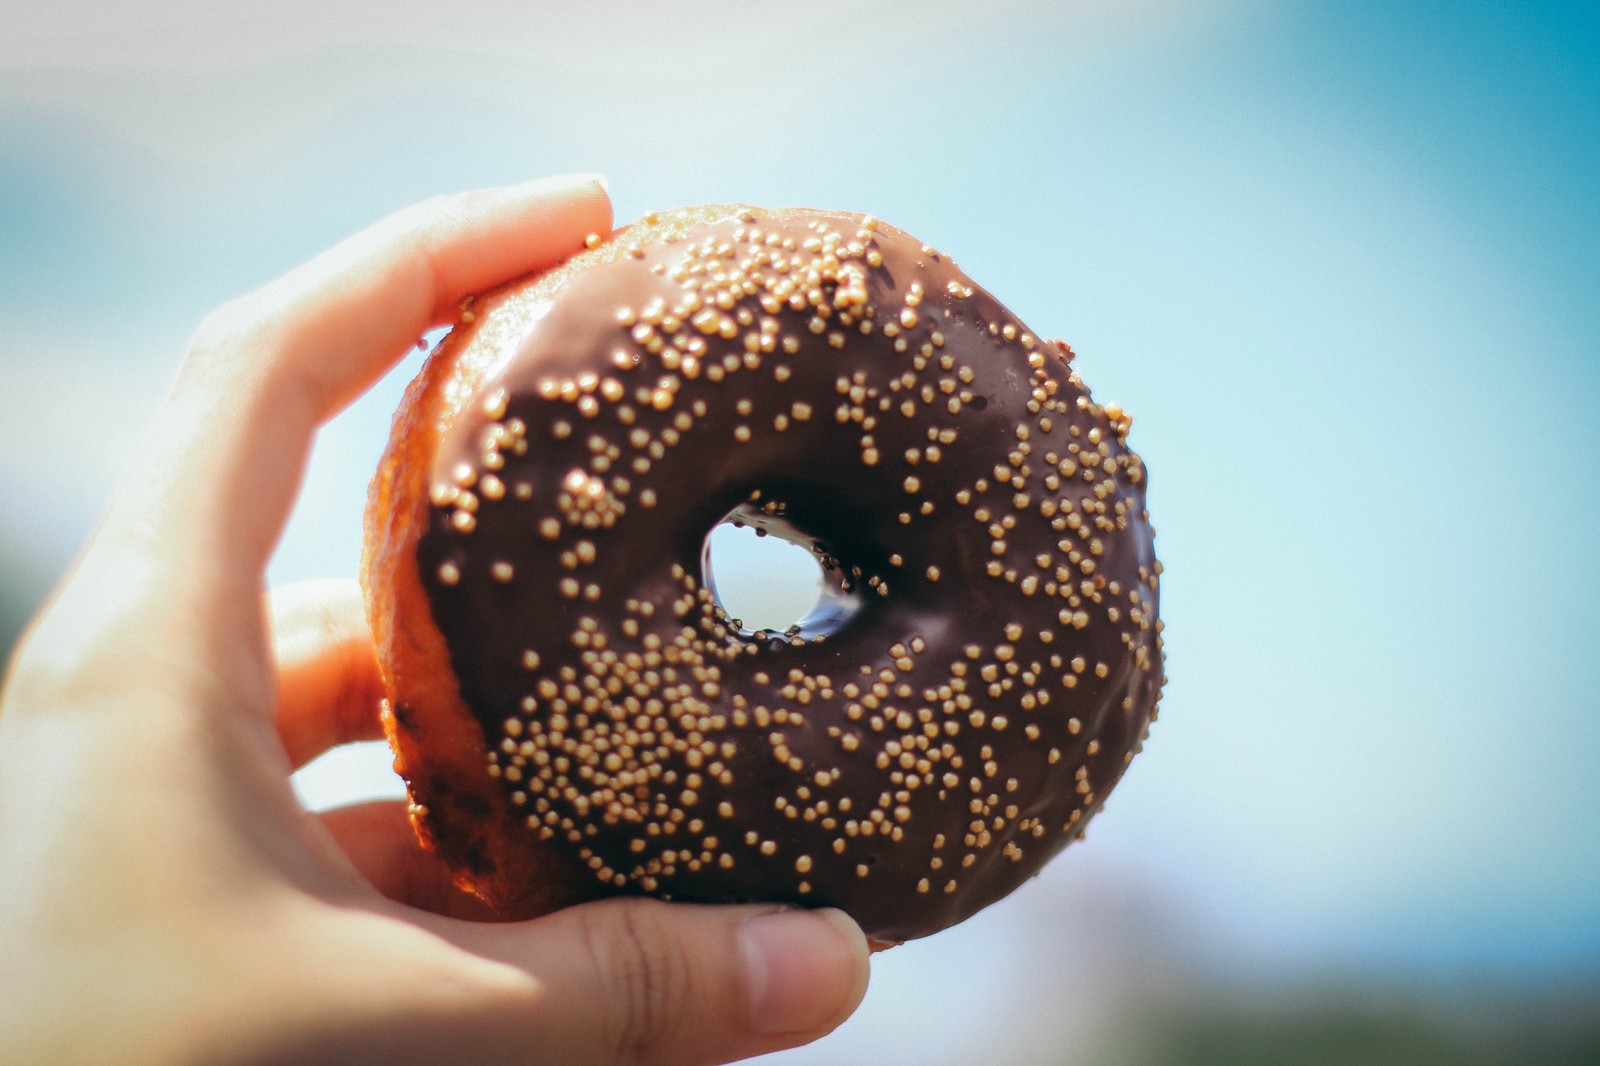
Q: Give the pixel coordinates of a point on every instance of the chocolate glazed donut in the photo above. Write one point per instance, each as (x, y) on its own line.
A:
(576, 715)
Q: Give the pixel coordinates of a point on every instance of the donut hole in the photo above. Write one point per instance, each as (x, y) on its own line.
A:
(767, 578)
(761, 581)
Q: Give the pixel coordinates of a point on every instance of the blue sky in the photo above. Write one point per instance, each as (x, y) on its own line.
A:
(1339, 260)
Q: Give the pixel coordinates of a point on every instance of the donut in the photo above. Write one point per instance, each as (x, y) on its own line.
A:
(574, 712)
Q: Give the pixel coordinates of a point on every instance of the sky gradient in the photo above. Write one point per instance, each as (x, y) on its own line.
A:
(1340, 261)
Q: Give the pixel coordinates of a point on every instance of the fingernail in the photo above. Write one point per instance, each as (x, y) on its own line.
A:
(560, 182)
(807, 969)
(590, 179)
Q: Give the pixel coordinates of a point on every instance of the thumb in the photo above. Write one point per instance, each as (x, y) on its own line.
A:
(641, 981)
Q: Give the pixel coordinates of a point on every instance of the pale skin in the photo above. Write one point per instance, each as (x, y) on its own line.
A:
(163, 896)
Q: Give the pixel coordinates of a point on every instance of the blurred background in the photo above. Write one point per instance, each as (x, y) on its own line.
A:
(1341, 260)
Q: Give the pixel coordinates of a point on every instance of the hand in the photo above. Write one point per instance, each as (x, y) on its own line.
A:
(164, 898)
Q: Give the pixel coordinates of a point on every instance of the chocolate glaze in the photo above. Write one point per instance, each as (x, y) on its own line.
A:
(915, 756)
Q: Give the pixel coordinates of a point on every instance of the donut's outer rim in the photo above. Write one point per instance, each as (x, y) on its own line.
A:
(458, 810)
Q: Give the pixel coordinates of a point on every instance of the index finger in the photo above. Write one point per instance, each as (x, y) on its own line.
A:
(211, 490)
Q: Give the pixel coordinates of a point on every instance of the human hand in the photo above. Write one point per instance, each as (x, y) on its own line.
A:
(165, 897)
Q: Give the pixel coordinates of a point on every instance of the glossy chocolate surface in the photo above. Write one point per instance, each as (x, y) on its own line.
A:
(992, 658)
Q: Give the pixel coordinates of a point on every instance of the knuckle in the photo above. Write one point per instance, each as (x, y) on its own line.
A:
(34, 675)
(422, 217)
(219, 338)
(648, 977)
(64, 659)
(221, 328)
